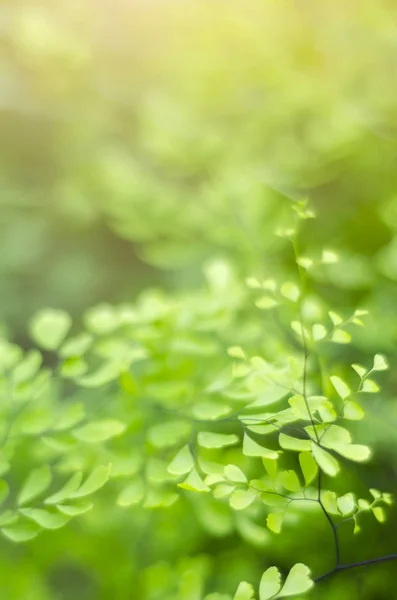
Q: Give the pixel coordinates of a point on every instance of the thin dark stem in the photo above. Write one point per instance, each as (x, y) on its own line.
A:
(330, 521)
(362, 563)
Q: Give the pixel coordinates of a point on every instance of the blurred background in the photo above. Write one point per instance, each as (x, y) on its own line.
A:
(141, 138)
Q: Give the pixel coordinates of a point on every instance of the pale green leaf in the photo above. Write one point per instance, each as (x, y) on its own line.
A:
(45, 518)
(240, 499)
(370, 386)
(266, 303)
(346, 504)
(360, 370)
(329, 500)
(270, 583)
(290, 291)
(329, 257)
(106, 373)
(35, 485)
(49, 328)
(168, 434)
(274, 521)
(380, 363)
(99, 431)
(233, 473)
(75, 509)
(21, 532)
(298, 581)
(353, 411)
(132, 494)
(76, 346)
(209, 411)
(308, 466)
(182, 462)
(355, 452)
(245, 591)
(207, 439)
(341, 387)
(291, 443)
(194, 483)
(335, 318)
(319, 332)
(236, 352)
(94, 482)
(289, 480)
(340, 336)
(252, 448)
(325, 460)
(71, 486)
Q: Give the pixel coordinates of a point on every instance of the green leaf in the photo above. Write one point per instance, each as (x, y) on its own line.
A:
(36, 483)
(353, 411)
(168, 434)
(94, 482)
(99, 431)
(298, 581)
(194, 483)
(45, 518)
(207, 439)
(105, 374)
(270, 583)
(75, 509)
(274, 521)
(335, 436)
(319, 332)
(340, 336)
(380, 363)
(270, 466)
(76, 346)
(308, 466)
(21, 532)
(71, 486)
(379, 514)
(182, 462)
(133, 493)
(329, 257)
(375, 493)
(370, 386)
(49, 328)
(28, 367)
(325, 460)
(266, 303)
(329, 500)
(341, 387)
(245, 591)
(355, 452)
(236, 352)
(251, 448)
(290, 481)
(360, 370)
(240, 499)
(298, 405)
(291, 443)
(290, 291)
(346, 504)
(209, 411)
(335, 318)
(233, 473)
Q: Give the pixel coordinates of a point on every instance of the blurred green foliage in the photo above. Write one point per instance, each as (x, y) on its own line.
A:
(141, 141)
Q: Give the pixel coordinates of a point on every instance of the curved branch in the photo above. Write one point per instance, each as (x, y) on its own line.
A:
(362, 563)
